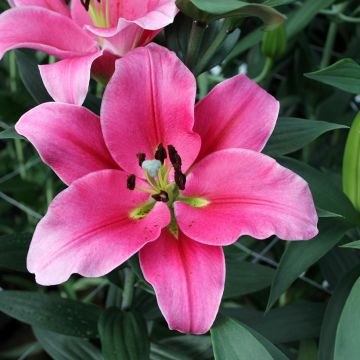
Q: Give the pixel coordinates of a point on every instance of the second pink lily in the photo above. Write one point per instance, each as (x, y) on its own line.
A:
(147, 177)
(88, 36)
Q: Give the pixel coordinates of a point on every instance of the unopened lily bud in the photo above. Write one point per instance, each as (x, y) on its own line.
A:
(274, 42)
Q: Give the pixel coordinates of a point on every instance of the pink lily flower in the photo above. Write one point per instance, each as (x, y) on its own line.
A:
(87, 37)
(149, 175)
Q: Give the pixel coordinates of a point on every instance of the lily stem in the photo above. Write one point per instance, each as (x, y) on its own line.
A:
(330, 40)
(265, 71)
(128, 293)
(195, 40)
(13, 88)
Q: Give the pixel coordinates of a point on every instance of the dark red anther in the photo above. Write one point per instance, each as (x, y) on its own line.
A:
(86, 4)
(160, 153)
(141, 157)
(180, 179)
(131, 181)
(161, 196)
(174, 157)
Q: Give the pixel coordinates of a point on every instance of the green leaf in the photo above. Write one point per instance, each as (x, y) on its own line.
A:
(123, 335)
(333, 312)
(62, 347)
(158, 352)
(50, 312)
(347, 342)
(305, 13)
(244, 278)
(221, 53)
(351, 163)
(327, 196)
(344, 75)
(308, 350)
(211, 10)
(284, 324)
(10, 134)
(292, 134)
(184, 347)
(328, 214)
(13, 251)
(300, 255)
(30, 75)
(352, 245)
(274, 3)
(296, 22)
(336, 263)
(235, 341)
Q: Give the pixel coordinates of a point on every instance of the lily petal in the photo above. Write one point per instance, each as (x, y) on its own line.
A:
(68, 80)
(54, 5)
(188, 278)
(79, 14)
(148, 101)
(237, 113)
(126, 37)
(103, 67)
(87, 229)
(68, 139)
(249, 194)
(40, 29)
(147, 14)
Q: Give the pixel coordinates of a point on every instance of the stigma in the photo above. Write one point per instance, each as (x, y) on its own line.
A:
(152, 167)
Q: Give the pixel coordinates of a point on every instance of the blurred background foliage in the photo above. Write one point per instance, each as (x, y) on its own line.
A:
(282, 300)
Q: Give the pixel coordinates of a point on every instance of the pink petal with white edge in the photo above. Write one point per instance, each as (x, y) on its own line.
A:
(68, 139)
(188, 278)
(54, 5)
(237, 113)
(68, 80)
(128, 38)
(147, 14)
(249, 194)
(148, 101)
(87, 229)
(40, 29)
(132, 23)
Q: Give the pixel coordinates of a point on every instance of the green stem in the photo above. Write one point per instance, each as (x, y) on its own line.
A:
(349, 19)
(195, 40)
(13, 88)
(88, 298)
(330, 40)
(20, 158)
(210, 52)
(12, 69)
(128, 293)
(49, 190)
(265, 71)
(69, 291)
(203, 85)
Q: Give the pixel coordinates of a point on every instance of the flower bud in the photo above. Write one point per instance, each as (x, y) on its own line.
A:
(274, 42)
